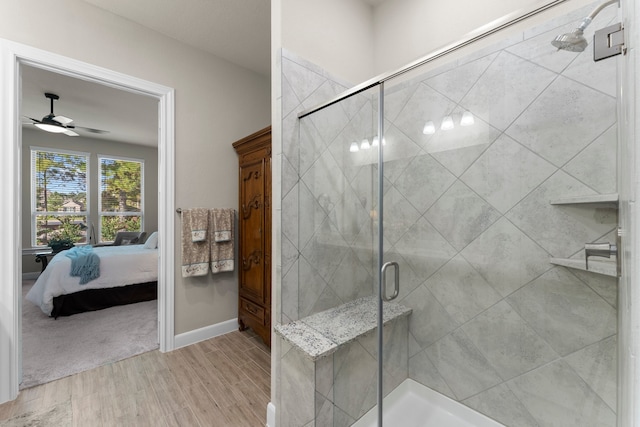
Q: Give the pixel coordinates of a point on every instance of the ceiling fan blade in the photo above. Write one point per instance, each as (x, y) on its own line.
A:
(89, 129)
(70, 133)
(63, 120)
(32, 119)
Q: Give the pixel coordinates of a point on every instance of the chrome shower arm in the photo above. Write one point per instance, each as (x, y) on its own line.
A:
(586, 21)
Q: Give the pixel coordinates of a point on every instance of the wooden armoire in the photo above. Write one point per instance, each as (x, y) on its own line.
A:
(254, 229)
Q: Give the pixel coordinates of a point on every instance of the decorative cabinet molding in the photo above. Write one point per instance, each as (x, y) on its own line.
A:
(254, 233)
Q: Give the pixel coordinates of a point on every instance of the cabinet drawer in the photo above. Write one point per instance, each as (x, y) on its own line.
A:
(252, 309)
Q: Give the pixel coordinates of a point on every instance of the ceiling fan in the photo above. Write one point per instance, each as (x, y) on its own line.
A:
(59, 124)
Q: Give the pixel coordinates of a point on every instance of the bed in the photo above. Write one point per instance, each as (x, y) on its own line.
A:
(128, 274)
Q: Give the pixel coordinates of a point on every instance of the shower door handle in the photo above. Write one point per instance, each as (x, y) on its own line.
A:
(396, 285)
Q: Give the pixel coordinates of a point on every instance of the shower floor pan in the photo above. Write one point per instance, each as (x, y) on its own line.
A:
(413, 405)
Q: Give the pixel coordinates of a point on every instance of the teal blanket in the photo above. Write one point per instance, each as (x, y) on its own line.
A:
(85, 263)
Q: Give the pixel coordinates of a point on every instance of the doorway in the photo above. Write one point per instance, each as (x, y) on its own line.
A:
(15, 56)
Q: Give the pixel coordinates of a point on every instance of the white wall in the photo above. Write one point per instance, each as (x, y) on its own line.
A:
(216, 104)
(336, 34)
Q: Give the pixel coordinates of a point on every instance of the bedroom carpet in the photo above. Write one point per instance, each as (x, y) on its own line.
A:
(53, 349)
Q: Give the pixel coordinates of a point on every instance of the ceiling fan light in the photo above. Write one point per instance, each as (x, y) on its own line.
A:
(51, 128)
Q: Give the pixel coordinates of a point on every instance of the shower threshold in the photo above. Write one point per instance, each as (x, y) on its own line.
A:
(413, 405)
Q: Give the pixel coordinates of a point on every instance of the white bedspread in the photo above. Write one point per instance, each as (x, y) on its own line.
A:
(119, 266)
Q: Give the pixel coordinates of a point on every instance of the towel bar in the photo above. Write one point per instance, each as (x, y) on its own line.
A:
(179, 210)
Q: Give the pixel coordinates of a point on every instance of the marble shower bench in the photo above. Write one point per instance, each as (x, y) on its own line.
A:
(329, 362)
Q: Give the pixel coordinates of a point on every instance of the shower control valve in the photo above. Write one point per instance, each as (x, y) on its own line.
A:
(606, 250)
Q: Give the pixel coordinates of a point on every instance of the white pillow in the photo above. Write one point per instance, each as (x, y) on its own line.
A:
(152, 241)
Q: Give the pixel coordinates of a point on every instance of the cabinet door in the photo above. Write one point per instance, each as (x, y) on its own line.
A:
(252, 179)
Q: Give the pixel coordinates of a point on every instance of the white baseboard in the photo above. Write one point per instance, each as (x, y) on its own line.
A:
(271, 415)
(30, 276)
(192, 337)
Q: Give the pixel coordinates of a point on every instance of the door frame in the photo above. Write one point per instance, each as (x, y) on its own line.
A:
(12, 57)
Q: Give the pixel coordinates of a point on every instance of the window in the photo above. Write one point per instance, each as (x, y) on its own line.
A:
(59, 196)
(121, 196)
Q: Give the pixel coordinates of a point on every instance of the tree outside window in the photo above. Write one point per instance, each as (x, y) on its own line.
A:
(121, 196)
(59, 196)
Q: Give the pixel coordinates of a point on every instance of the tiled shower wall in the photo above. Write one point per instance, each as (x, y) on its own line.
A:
(467, 216)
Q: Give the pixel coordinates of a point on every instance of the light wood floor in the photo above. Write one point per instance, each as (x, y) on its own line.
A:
(224, 381)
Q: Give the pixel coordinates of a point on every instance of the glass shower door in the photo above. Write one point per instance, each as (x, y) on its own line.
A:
(498, 168)
(337, 268)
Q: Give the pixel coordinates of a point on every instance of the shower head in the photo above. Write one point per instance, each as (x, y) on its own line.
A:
(573, 42)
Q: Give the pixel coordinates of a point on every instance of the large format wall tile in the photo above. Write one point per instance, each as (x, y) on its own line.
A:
(297, 385)
(461, 365)
(510, 345)
(331, 120)
(458, 161)
(478, 132)
(506, 257)
(455, 83)
(460, 215)
(395, 98)
(564, 311)
(425, 104)
(506, 89)
(502, 405)
(325, 250)
(506, 173)
(399, 215)
(302, 81)
(411, 183)
(424, 248)
(422, 370)
(289, 293)
(596, 365)
(325, 180)
(461, 290)
(351, 280)
(349, 214)
(429, 321)
(397, 146)
(605, 286)
(556, 396)
(595, 164)
(564, 120)
(459, 147)
(355, 374)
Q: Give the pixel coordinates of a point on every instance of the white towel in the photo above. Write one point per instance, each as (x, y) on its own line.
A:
(198, 221)
(222, 223)
(222, 252)
(195, 254)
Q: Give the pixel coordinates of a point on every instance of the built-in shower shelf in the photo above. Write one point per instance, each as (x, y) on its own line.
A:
(607, 199)
(607, 268)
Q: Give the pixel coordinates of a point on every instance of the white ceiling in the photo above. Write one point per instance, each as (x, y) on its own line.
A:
(128, 117)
